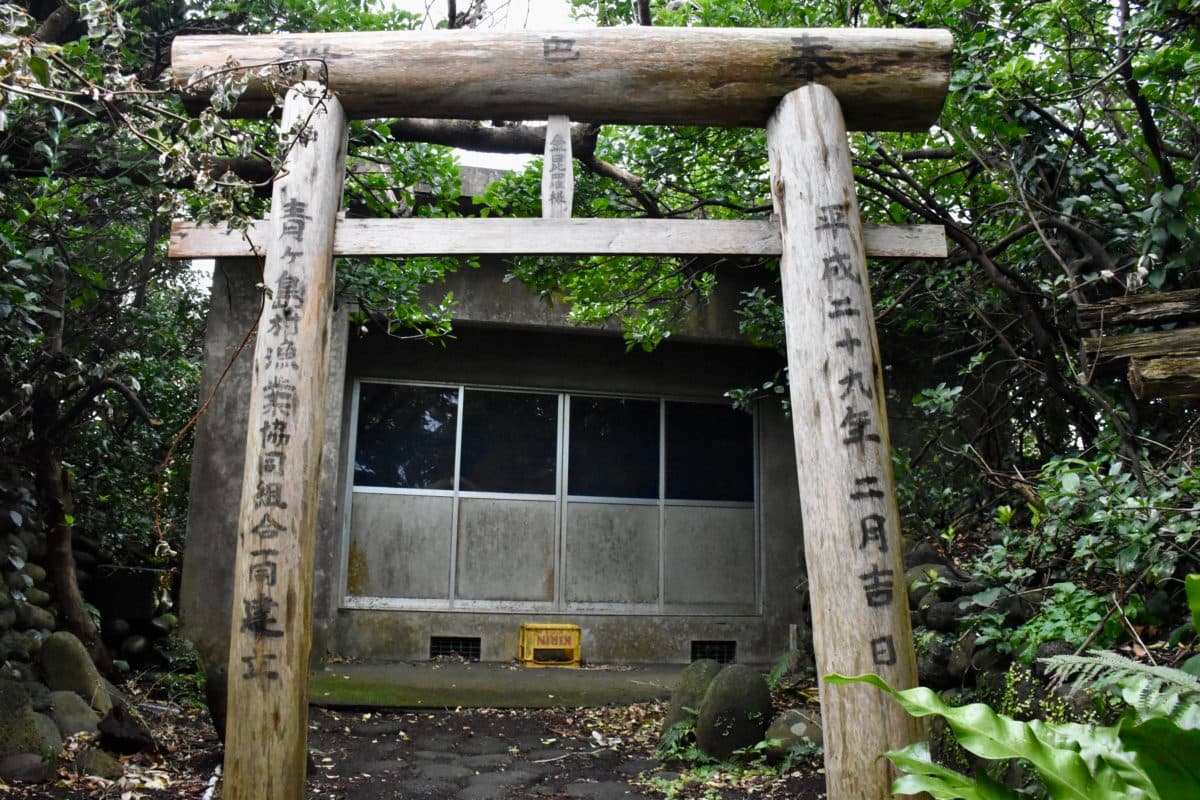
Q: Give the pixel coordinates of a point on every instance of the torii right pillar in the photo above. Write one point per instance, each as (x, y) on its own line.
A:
(843, 456)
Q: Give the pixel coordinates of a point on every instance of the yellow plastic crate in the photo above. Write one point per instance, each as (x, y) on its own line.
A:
(550, 645)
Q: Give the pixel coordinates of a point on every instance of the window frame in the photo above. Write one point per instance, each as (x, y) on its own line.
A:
(559, 602)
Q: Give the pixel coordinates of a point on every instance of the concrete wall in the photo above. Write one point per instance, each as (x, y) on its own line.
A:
(506, 337)
(703, 575)
(217, 455)
(220, 450)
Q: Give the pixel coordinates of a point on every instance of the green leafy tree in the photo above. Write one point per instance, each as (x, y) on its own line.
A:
(1061, 172)
(99, 334)
(1060, 168)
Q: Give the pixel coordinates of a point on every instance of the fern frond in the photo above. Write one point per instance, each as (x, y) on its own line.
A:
(1151, 691)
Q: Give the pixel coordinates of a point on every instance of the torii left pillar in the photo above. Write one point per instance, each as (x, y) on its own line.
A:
(271, 637)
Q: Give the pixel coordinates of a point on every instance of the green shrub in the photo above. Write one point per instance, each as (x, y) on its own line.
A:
(1150, 757)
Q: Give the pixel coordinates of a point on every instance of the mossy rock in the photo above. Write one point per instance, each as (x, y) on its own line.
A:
(72, 714)
(14, 700)
(17, 645)
(37, 596)
(735, 712)
(51, 739)
(34, 571)
(68, 667)
(918, 580)
(95, 761)
(26, 768)
(15, 547)
(39, 695)
(689, 691)
(29, 732)
(943, 616)
(31, 617)
(792, 728)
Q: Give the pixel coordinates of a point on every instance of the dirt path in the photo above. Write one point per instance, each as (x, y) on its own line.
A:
(477, 754)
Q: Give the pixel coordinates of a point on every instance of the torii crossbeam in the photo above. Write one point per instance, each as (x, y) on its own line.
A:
(805, 86)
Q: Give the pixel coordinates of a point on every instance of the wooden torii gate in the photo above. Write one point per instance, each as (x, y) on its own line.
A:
(806, 86)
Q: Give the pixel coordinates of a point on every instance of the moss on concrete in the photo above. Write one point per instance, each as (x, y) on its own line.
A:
(356, 569)
(483, 686)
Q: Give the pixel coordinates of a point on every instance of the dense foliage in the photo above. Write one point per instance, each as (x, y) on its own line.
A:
(100, 334)
(1151, 755)
(1062, 169)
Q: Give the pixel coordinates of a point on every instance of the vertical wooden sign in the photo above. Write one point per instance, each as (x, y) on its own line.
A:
(265, 746)
(558, 170)
(847, 492)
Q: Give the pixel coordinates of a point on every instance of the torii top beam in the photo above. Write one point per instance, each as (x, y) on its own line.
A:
(884, 79)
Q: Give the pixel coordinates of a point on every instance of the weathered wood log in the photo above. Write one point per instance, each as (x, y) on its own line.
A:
(271, 632)
(412, 237)
(1172, 376)
(1151, 344)
(1142, 309)
(558, 169)
(885, 79)
(847, 492)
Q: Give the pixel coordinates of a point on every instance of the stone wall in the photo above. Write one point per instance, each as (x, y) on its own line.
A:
(27, 615)
(49, 688)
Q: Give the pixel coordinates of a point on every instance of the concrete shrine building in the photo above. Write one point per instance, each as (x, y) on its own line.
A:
(529, 470)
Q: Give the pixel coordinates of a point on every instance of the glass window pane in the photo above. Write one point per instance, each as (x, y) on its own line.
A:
(509, 442)
(405, 437)
(613, 448)
(710, 453)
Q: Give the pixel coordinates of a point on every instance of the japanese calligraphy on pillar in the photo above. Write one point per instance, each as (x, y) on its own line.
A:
(270, 632)
(278, 405)
(846, 301)
(847, 494)
(558, 174)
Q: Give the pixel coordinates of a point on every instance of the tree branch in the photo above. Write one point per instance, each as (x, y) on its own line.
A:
(94, 390)
(1021, 293)
(134, 401)
(1085, 241)
(643, 13)
(928, 154)
(1129, 83)
(53, 27)
(474, 135)
(633, 183)
(149, 255)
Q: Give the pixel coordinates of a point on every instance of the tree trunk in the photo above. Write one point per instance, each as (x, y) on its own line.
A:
(56, 509)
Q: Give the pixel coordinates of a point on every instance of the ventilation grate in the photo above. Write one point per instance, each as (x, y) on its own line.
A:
(464, 647)
(721, 652)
